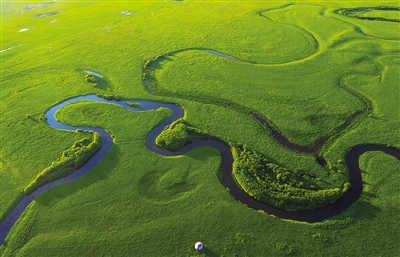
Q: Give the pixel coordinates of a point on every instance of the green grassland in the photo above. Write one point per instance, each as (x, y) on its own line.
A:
(130, 201)
(385, 14)
(316, 105)
(70, 160)
(310, 71)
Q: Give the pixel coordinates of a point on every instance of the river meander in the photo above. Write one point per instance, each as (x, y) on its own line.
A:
(228, 181)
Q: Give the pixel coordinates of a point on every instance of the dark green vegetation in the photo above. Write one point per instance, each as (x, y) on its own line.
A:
(131, 104)
(97, 81)
(70, 160)
(92, 79)
(280, 187)
(372, 13)
(174, 137)
(137, 203)
(110, 97)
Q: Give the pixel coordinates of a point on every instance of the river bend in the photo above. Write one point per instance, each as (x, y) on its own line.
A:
(226, 165)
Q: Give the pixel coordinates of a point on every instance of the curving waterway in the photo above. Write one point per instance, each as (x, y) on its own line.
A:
(226, 165)
(320, 214)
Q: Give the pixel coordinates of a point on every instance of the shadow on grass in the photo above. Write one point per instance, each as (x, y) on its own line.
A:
(219, 175)
(102, 85)
(94, 176)
(362, 210)
(207, 252)
(156, 65)
(199, 156)
(32, 118)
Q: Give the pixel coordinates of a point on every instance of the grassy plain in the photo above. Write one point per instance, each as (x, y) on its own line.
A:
(380, 13)
(136, 203)
(389, 14)
(126, 200)
(316, 105)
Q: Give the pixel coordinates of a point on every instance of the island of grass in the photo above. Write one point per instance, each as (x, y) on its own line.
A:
(135, 105)
(174, 137)
(282, 188)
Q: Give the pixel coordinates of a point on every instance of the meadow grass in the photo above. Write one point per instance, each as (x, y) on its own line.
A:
(386, 14)
(395, 14)
(125, 201)
(316, 105)
(137, 203)
(70, 160)
(369, 28)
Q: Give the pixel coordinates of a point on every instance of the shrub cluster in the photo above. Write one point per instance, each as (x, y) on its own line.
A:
(70, 160)
(131, 104)
(110, 97)
(92, 79)
(277, 186)
(43, 117)
(173, 137)
(350, 12)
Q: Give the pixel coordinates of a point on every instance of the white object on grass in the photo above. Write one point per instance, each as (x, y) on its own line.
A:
(198, 246)
(2, 51)
(93, 73)
(23, 30)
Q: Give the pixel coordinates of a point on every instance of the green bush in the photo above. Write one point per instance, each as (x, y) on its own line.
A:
(146, 64)
(352, 12)
(276, 185)
(346, 187)
(110, 97)
(173, 137)
(43, 117)
(70, 160)
(92, 78)
(131, 104)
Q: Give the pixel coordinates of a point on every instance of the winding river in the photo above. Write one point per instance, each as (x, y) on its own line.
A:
(226, 165)
(228, 181)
